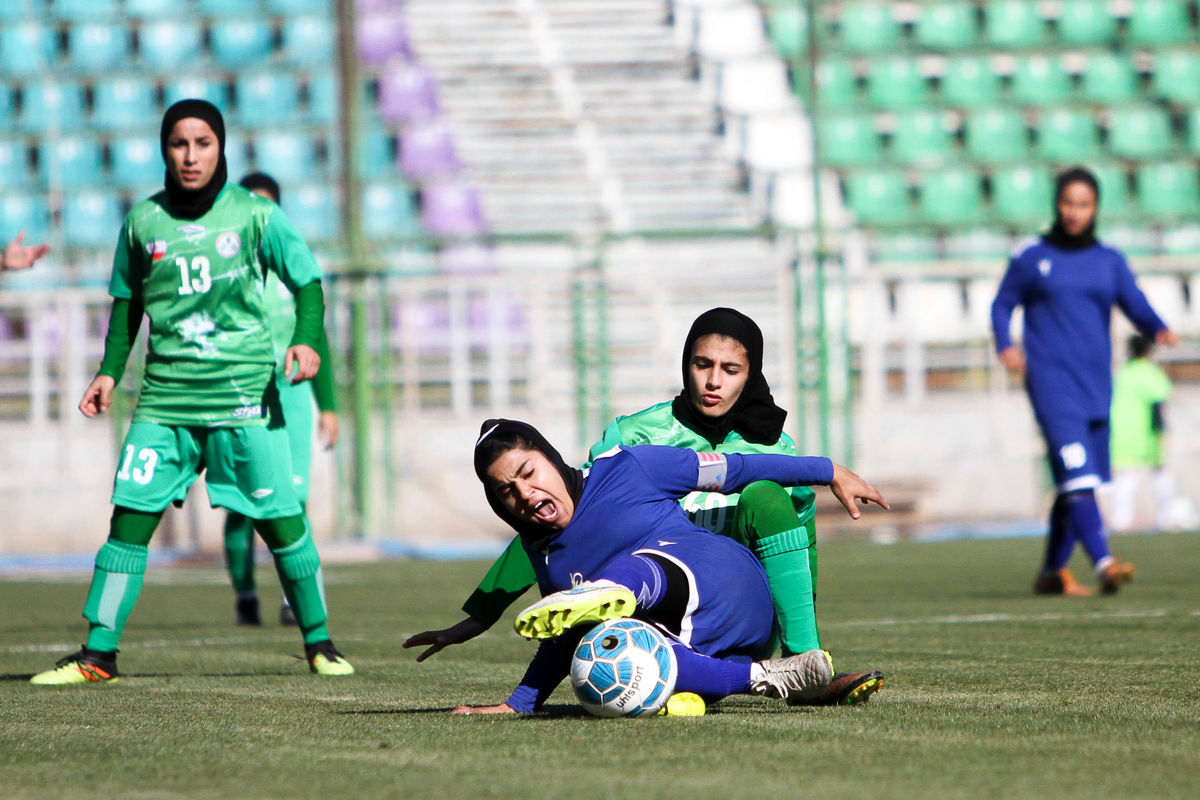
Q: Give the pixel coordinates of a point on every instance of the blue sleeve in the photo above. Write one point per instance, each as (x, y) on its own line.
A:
(1010, 295)
(746, 468)
(546, 671)
(678, 471)
(1133, 303)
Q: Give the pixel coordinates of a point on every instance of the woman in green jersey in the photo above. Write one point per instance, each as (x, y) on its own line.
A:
(192, 258)
(725, 406)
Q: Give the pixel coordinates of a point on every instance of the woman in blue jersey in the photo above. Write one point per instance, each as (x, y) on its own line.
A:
(614, 542)
(1068, 282)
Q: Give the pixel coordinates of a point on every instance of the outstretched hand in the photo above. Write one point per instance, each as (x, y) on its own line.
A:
(849, 488)
(464, 631)
(21, 256)
(503, 708)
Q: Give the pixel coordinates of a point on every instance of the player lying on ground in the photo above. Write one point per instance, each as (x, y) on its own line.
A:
(191, 259)
(614, 542)
(725, 406)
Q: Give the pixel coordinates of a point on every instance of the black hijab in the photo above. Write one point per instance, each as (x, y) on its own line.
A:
(193, 203)
(755, 415)
(1057, 235)
(498, 436)
(262, 182)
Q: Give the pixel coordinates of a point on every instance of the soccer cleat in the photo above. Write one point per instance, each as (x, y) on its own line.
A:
(85, 666)
(324, 659)
(846, 689)
(286, 615)
(589, 602)
(1060, 582)
(803, 676)
(247, 611)
(1115, 574)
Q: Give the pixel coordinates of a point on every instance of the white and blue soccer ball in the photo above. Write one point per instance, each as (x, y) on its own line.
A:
(624, 668)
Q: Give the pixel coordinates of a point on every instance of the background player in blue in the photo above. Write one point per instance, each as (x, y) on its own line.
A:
(1067, 281)
(614, 542)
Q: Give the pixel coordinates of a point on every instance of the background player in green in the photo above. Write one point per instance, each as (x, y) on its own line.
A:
(725, 406)
(193, 259)
(297, 404)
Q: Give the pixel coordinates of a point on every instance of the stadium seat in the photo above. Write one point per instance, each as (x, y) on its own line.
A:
(979, 243)
(377, 153)
(237, 154)
(70, 162)
(83, 10)
(1157, 22)
(199, 87)
(18, 10)
(382, 37)
(848, 139)
(996, 134)
(239, 43)
(1040, 80)
(878, 198)
(920, 137)
(136, 163)
(8, 105)
(1109, 78)
(969, 81)
(1169, 189)
(1114, 188)
(220, 7)
(313, 209)
(1022, 195)
(1192, 135)
(895, 82)
(170, 44)
(156, 8)
(453, 208)
(730, 32)
(308, 40)
(29, 213)
(1139, 132)
(948, 25)
(1014, 23)
(1067, 136)
(123, 103)
(406, 91)
(52, 105)
(388, 211)
(27, 49)
(284, 7)
(90, 219)
(868, 28)
(427, 150)
(1086, 22)
(837, 85)
(13, 167)
(904, 247)
(287, 155)
(787, 28)
(1177, 76)
(266, 98)
(951, 196)
(95, 46)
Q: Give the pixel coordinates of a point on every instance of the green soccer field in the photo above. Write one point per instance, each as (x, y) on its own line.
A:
(990, 692)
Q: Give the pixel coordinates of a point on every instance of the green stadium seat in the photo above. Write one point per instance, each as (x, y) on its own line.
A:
(878, 198)
(1109, 78)
(1040, 81)
(1156, 22)
(951, 197)
(13, 168)
(1169, 189)
(70, 162)
(97, 46)
(868, 28)
(1139, 132)
(920, 137)
(1067, 136)
(27, 49)
(1086, 22)
(123, 102)
(787, 29)
(947, 25)
(969, 81)
(1014, 23)
(1177, 76)
(1115, 198)
(1023, 195)
(837, 85)
(904, 247)
(996, 134)
(848, 139)
(170, 44)
(895, 82)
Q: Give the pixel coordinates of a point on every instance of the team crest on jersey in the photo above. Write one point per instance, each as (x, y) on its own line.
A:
(228, 244)
(157, 249)
(1044, 267)
(192, 232)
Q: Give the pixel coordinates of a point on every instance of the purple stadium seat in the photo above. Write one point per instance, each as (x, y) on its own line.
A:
(363, 6)
(382, 37)
(466, 259)
(451, 209)
(427, 149)
(407, 92)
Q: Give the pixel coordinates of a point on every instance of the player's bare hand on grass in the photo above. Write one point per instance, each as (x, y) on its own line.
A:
(98, 396)
(327, 429)
(847, 487)
(22, 256)
(464, 631)
(1012, 359)
(503, 708)
(300, 363)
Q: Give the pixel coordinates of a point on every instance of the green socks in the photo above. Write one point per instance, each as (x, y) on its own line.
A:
(239, 552)
(299, 569)
(116, 584)
(785, 558)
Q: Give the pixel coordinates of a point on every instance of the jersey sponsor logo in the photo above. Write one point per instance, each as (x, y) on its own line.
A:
(228, 244)
(665, 543)
(259, 494)
(156, 249)
(248, 411)
(192, 232)
(710, 473)
(1044, 267)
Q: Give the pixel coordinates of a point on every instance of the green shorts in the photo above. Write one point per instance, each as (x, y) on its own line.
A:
(297, 404)
(248, 468)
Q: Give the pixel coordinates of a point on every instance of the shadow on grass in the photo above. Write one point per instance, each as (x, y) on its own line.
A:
(15, 677)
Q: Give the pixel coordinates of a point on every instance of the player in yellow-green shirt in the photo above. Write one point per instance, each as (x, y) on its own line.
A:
(193, 259)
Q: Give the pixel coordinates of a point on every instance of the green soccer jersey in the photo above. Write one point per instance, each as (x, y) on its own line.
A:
(1138, 387)
(202, 283)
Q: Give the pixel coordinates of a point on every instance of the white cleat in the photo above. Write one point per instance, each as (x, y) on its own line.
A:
(802, 676)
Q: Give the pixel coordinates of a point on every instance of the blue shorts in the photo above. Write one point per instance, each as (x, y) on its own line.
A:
(1078, 452)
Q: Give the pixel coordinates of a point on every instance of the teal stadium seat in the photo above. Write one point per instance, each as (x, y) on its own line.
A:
(308, 41)
(787, 29)
(70, 162)
(13, 169)
(170, 44)
(324, 98)
(1014, 24)
(221, 7)
(1065, 135)
(389, 211)
(97, 46)
(136, 163)
(1139, 132)
(1177, 76)
(896, 82)
(1169, 189)
(1192, 131)
(91, 219)
(27, 49)
(996, 134)
(837, 85)
(1021, 195)
(17, 10)
(125, 102)
(287, 155)
(848, 139)
(1086, 22)
(376, 153)
(237, 153)
(1115, 198)
(50, 104)
(947, 25)
(1109, 78)
(8, 106)
(25, 212)
(314, 211)
(1158, 22)
(879, 198)
(148, 9)
(969, 81)
(266, 98)
(868, 28)
(210, 89)
(239, 43)
(82, 10)
(1040, 80)
(920, 138)
(951, 197)
(284, 7)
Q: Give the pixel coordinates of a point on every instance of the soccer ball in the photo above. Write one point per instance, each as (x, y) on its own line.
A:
(623, 668)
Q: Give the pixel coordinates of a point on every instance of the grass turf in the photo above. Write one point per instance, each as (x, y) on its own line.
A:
(991, 692)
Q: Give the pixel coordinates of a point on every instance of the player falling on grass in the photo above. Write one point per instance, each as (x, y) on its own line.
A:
(725, 406)
(296, 401)
(613, 542)
(193, 258)
(1068, 283)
